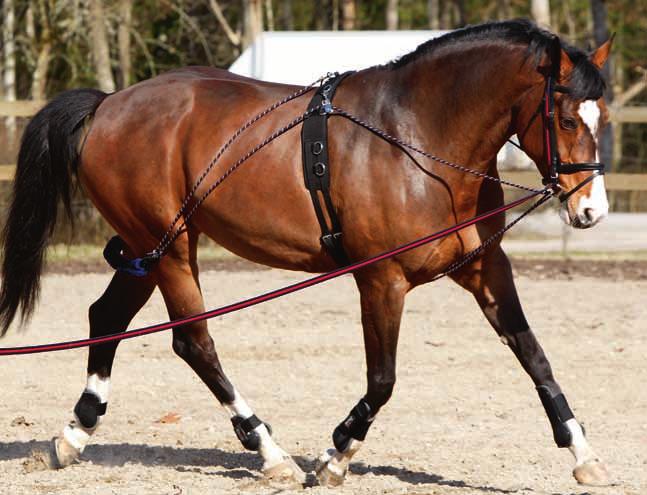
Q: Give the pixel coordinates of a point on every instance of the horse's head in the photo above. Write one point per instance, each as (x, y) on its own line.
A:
(561, 136)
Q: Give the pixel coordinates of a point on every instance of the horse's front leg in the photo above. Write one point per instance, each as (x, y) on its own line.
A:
(382, 299)
(491, 282)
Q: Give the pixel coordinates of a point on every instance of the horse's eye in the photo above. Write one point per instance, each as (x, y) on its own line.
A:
(568, 123)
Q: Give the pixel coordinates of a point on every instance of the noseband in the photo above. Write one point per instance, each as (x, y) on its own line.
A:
(555, 164)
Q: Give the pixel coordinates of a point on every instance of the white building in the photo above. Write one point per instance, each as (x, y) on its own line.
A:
(301, 57)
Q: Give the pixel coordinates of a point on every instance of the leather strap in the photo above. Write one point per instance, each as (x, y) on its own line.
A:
(316, 168)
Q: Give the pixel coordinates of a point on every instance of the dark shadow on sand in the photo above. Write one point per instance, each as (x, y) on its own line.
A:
(422, 478)
(236, 465)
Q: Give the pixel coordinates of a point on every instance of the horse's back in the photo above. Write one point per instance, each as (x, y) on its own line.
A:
(149, 143)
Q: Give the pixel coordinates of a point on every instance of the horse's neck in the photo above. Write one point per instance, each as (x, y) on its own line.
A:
(462, 103)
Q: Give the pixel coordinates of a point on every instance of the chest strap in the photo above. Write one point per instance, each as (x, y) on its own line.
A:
(316, 168)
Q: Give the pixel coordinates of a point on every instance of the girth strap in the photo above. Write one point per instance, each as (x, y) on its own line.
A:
(316, 168)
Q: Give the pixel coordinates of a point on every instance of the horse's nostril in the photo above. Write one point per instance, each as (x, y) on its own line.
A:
(588, 214)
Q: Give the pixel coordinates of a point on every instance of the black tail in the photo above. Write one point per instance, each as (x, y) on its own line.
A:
(47, 161)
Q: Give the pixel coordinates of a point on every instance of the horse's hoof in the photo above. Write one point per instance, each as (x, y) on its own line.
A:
(285, 472)
(592, 473)
(329, 475)
(64, 454)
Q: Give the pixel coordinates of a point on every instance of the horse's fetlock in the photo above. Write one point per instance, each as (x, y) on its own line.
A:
(558, 412)
(245, 429)
(355, 426)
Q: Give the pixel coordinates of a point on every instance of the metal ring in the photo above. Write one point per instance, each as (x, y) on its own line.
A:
(317, 147)
(319, 169)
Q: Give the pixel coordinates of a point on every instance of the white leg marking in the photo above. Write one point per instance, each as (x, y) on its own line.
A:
(580, 448)
(271, 453)
(338, 461)
(75, 433)
(99, 386)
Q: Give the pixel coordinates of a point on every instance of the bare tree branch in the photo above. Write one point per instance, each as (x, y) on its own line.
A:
(232, 36)
(193, 25)
(632, 91)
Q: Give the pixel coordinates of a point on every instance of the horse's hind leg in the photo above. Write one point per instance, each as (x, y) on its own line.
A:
(111, 313)
(178, 281)
(492, 284)
(382, 292)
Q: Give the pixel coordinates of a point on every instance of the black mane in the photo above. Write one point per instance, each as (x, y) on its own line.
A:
(586, 81)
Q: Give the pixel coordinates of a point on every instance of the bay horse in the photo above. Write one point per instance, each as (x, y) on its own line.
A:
(138, 151)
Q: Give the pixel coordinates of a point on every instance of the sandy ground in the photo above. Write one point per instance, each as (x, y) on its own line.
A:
(464, 418)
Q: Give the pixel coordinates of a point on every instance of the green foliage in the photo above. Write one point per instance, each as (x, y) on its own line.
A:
(171, 33)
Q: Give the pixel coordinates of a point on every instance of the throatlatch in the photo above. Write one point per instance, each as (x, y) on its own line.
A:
(316, 166)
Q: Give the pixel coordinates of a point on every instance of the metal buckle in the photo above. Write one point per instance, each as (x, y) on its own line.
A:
(317, 148)
(326, 107)
(319, 169)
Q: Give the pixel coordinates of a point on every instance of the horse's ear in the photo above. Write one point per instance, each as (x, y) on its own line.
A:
(565, 66)
(600, 56)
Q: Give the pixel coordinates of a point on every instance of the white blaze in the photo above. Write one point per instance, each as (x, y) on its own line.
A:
(596, 202)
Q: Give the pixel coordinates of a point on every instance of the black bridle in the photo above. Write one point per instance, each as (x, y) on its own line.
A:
(555, 164)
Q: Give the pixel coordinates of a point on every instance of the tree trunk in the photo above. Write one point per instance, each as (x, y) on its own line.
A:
(100, 47)
(503, 9)
(320, 12)
(433, 12)
(600, 35)
(335, 15)
(269, 15)
(123, 39)
(41, 47)
(446, 16)
(9, 77)
(252, 21)
(286, 18)
(392, 15)
(348, 14)
(461, 13)
(540, 10)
